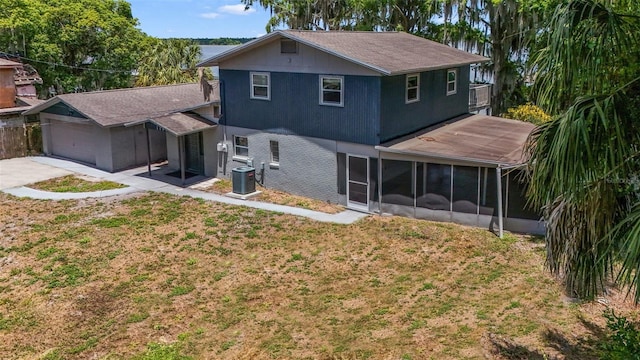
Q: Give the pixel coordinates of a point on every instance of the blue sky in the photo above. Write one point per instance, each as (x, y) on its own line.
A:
(199, 18)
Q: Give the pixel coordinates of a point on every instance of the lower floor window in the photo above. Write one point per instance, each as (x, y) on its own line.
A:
(275, 152)
(241, 146)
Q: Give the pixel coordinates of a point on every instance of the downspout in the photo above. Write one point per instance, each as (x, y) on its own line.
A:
(499, 186)
(223, 122)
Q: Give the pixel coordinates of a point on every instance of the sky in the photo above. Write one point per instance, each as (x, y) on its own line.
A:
(199, 18)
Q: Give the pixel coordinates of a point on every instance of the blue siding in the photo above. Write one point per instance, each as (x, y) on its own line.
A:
(63, 109)
(294, 107)
(399, 118)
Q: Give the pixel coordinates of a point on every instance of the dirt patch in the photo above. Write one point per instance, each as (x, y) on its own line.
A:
(279, 197)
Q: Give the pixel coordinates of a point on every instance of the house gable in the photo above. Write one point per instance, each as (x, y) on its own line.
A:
(306, 59)
(64, 109)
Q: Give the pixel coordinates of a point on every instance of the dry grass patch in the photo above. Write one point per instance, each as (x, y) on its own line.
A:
(76, 184)
(273, 196)
(153, 276)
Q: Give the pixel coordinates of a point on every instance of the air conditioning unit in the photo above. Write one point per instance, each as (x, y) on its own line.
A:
(243, 180)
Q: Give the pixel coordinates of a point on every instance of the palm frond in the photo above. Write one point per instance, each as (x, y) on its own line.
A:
(580, 165)
(588, 46)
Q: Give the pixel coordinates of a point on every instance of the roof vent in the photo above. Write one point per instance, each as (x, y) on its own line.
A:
(288, 46)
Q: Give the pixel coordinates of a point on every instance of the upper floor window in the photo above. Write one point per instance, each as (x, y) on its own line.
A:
(241, 146)
(331, 90)
(452, 81)
(260, 86)
(288, 46)
(413, 88)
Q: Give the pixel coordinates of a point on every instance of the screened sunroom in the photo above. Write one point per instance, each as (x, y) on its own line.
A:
(466, 171)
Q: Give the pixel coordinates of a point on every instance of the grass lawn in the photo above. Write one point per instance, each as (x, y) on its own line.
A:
(156, 276)
(75, 184)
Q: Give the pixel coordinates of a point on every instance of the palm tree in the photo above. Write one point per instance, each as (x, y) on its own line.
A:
(170, 61)
(584, 164)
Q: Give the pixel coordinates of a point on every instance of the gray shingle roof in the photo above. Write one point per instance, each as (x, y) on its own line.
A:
(389, 53)
(117, 107)
(476, 138)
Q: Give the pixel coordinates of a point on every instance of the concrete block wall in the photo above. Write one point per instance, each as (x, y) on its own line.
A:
(307, 167)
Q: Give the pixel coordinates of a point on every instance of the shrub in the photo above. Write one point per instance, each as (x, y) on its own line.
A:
(624, 340)
(529, 113)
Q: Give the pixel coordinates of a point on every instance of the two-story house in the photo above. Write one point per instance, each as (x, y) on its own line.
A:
(377, 121)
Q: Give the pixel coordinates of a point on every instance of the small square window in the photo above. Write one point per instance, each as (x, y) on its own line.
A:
(241, 146)
(260, 88)
(275, 152)
(452, 83)
(413, 88)
(331, 90)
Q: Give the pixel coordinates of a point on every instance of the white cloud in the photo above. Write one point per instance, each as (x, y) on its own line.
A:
(236, 9)
(210, 15)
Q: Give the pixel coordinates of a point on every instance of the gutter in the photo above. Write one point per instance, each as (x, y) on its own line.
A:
(471, 161)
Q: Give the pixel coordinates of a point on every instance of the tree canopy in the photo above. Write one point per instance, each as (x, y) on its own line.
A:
(170, 61)
(75, 45)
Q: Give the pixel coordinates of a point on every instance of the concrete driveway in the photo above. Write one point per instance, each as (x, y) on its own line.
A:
(22, 171)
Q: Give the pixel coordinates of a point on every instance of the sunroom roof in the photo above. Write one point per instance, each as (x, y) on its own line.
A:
(475, 139)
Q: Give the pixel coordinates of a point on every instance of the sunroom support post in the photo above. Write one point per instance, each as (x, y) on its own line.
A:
(499, 186)
(379, 183)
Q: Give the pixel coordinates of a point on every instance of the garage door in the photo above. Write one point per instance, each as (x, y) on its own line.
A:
(73, 141)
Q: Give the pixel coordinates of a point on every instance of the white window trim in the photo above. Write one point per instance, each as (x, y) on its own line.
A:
(235, 146)
(268, 75)
(272, 163)
(407, 88)
(341, 78)
(455, 81)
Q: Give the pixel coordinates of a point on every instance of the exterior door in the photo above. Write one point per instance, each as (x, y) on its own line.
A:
(194, 153)
(358, 182)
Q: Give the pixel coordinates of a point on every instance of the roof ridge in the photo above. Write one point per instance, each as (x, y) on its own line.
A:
(346, 31)
(130, 89)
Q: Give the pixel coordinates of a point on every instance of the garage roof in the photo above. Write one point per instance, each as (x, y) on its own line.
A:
(183, 124)
(122, 106)
(475, 139)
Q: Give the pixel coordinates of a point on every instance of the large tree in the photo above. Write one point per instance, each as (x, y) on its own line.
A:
(585, 164)
(74, 44)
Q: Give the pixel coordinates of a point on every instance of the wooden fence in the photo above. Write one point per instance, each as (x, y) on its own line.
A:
(19, 140)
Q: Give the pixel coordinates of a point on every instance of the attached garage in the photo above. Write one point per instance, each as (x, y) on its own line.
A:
(73, 140)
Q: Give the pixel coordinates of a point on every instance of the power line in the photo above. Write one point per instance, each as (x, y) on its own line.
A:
(64, 65)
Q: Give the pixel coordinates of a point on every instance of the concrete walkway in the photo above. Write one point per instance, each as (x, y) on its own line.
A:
(15, 173)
